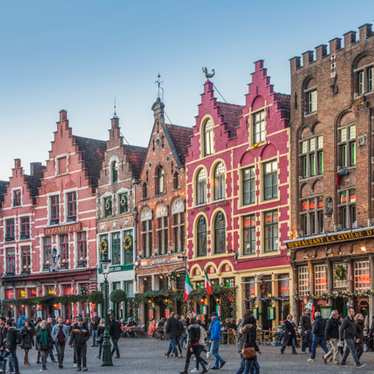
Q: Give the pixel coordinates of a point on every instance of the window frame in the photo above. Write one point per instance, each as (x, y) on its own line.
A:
(251, 183)
(219, 181)
(271, 228)
(344, 147)
(250, 232)
(201, 187)
(207, 137)
(348, 209)
(219, 229)
(310, 102)
(258, 126)
(274, 176)
(201, 242)
(54, 209)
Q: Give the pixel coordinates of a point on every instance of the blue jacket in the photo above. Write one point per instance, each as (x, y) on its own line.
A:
(215, 330)
(55, 330)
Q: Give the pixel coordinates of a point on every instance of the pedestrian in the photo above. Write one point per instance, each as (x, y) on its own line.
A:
(50, 323)
(100, 336)
(180, 331)
(11, 342)
(44, 342)
(78, 340)
(215, 337)
(318, 336)
(247, 345)
(27, 340)
(289, 334)
(3, 332)
(360, 326)
(193, 347)
(115, 332)
(94, 326)
(171, 331)
(348, 333)
(306, 331)
(60, 334)
(332, 337)
(201, 347)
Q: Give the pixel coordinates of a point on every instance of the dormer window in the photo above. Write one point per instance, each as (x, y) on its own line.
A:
(16, 198)
(160, 180)
(207, 138)
(258, 127)
(114, 171)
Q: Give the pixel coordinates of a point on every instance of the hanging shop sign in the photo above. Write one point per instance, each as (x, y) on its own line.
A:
(64, 229)
(330, 239)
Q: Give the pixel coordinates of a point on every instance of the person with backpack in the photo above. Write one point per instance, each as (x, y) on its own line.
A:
(194, 347)
(318, 336)
(44, 342)
(60, 333)
(27, 341)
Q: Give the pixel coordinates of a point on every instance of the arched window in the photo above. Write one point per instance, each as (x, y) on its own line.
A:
(114, 171)
(160, 180)
(144, 190)
(219, 233)
(201, 236)
(219, 181)
(207, 140)
(201, 183)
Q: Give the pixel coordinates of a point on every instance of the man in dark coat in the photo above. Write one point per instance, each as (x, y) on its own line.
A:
(318, 336)
(289, 334)
(11, 341)
(115, 332)
(171, 330)
(3, 332)
(332, 337)
(306, 331)
(78, 339)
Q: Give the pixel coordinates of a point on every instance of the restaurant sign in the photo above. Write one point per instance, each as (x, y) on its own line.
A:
(330, 239)
(63, 229)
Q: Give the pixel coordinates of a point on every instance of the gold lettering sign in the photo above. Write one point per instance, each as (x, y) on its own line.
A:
(65, 229)
(331, 238)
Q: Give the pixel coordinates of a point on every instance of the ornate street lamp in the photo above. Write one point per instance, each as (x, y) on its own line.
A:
(107, 346)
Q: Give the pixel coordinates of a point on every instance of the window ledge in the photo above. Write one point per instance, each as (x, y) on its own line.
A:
(305, 179)
(253, 146)
(307, 115)
(210, 256)
(263, 201)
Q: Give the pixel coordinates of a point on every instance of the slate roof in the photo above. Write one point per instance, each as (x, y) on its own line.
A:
(231, 115)
(92, 155)
(180, 136)
(136, 156)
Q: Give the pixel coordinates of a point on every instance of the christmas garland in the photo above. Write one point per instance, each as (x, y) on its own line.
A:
(335, 295)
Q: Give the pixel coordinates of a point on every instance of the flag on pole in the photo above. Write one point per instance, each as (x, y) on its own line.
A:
(187, 287)
(207, 284)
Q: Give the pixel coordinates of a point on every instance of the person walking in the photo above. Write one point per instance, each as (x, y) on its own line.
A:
(193, 347)
(215, 337)
(50, 324)
(180, 332)
(332, 337)
(289, 334)
(3, 332)
(27, 341)
(44, 342)
(318, 336)
(100, 336)
(171, 331)
(78, 339)
(94, 326)
(247, 339)
(201, 347)
(115, 332)
(306, 331)
(60, 334)
(348, 333)
(11, 342)
(360, 326)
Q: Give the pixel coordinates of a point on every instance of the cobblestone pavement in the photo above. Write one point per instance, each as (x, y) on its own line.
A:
(146, 356)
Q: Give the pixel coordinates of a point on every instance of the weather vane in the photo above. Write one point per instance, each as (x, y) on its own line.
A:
(160, 90)
(115, 107)
(208, 74)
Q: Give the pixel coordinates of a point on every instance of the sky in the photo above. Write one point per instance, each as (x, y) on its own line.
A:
(79, 55)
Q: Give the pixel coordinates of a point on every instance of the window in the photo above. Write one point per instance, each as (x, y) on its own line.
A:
(10, 264)
(25, 259)
(108, 211)
(47, 252)
(347, 146)
(123, 202)
(364, 80)
(258, 127)
(270, 172)
(249, 235)
(340, 282)
(147, 237)
(144, 190)
(17, 198)
(361, 275)
(219, 233)
(116, 248)
(114, 171)
(219, 181)
(347, 208)
(128, 286)
(208, 138)
(128, 247)
(310, 100)
(249, 185)
(178, 230)
(9, 230)
(271, 231)
(201, 187)
(311, 157)
(54, 210)
(64, 251)
(201, 239)
(62, 165)
(71, 198)
(320, 279)
(24, 228)
(176, 181)
(82, 249)
(303, 280)
(162, 235)
(311, 216)
(160, 180)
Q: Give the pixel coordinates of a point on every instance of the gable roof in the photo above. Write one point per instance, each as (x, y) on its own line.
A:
(136, 156)
(180, 137)
(92, 154)
(231, 116)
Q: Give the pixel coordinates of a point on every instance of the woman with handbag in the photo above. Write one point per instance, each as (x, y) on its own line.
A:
(247, 346)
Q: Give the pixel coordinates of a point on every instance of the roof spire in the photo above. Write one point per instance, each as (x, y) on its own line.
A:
(160, 89)
(115, 107)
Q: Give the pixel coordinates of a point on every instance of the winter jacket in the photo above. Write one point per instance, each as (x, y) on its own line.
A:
(3, 332)
(79, 336)
(44, 339)
(348, 329)
(115, 330)
(194, 334)
(319, 327)
(27, 337)
(56, 330)
(203, 336)
(360, 332)
(172, 327)
(12, 339)
(247, 337)
(305, 323)
(215, 330)
(332, 329)
(290, 329)
(100, 334)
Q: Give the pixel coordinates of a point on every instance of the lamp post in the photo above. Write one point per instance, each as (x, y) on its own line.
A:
(107, 346)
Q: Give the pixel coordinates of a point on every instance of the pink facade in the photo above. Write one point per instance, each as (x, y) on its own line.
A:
(252, 144)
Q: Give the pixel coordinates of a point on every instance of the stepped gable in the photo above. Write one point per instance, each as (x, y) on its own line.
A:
(180, 136)
(92, 155)
(136, 156)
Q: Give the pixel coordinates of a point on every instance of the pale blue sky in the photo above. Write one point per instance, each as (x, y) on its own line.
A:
(78, 55)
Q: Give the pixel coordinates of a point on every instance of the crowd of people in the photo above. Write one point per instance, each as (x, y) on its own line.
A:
(50, 337)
